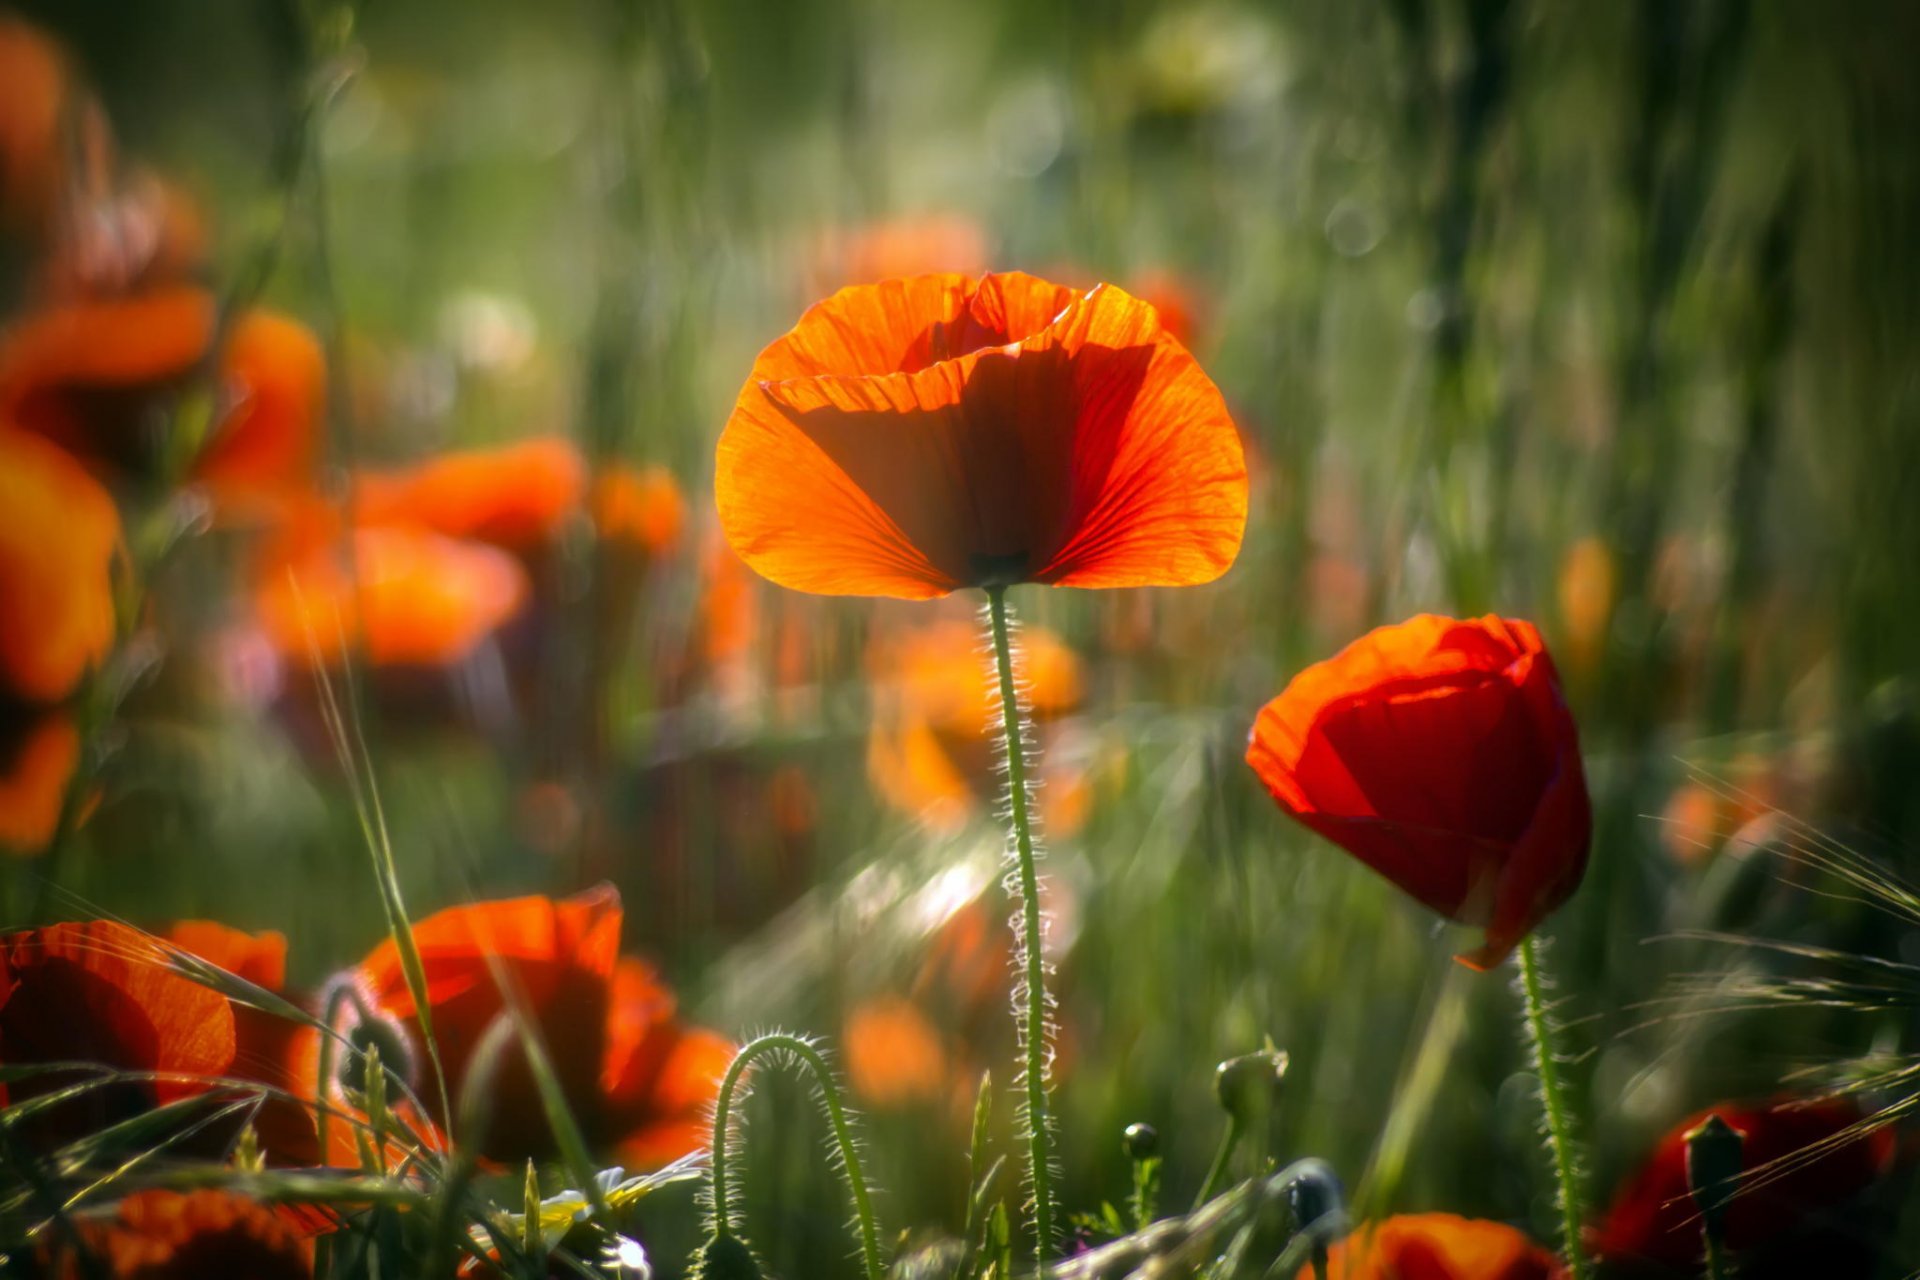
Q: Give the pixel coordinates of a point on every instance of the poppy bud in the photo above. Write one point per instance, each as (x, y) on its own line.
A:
(374, 1034)
(1715, 1152)
(1249, 1085)
(726, 1258)
(1141, 1141)
(1313, 1195)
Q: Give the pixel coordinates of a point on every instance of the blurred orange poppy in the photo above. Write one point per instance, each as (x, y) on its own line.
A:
(36, 766)
(173, 1235)
(639, 507)
(931, 749)
(913, 245)
(1436, 1246)
(411, 597)
(633, 1075)
(894, 1054)
(1826, 1160)
(917, 436)
(34, 94)
(59, 535)
(92, 375)
(1441, 754)
(514, 496)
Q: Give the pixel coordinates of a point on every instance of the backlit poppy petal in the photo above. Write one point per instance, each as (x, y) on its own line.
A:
(59, 534)
(1436, 1246)
(560, 954)
(919, 435)
(260, 958)
(100, 992)
(1442, 755)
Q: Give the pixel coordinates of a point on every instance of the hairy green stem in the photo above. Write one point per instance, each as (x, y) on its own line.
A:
(1032, 949)
(1553, 1098)
(781, 1043)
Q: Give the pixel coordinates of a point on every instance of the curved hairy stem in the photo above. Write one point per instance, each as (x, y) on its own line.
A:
(782, 1045)
(1030, 952)
(1540, 1030)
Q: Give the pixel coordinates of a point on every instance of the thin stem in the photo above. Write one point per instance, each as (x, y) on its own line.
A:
(1541, 1031)
(1221, 1159)
(1031, 951)
(781, 1043)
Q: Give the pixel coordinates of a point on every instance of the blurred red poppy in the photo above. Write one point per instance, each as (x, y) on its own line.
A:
(37, 761)
(635, 1078)
(267, 441)
(34, 93)
(920, 435)
(639, 507)
(172, 1235)
(1653, 1220)
(1440, 753)
(1436, 1246)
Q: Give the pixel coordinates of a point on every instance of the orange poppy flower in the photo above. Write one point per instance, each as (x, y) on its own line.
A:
(1652, 1218)
(915, 245)
(35, 769)
(59, 534)
(1441, 754)
(172, 1235)
(103, 993)
(917, 436)
(1436, 1246)
(412, 598)
(631, 1074)
(515, 496)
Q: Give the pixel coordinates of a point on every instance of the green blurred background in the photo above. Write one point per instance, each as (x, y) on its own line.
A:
(1602, 315)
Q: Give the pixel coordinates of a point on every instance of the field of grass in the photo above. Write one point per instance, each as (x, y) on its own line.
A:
(1599, 316)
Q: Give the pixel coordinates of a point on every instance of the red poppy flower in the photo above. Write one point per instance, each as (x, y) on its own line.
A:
(171, 1235)
(1441, 754)
(103, 993)
(631, 1074)
(639, 507)
(267, 439)
(1437, 1246)
(920, 435)
(34, 93)
(59, 534)
(1652, 1218)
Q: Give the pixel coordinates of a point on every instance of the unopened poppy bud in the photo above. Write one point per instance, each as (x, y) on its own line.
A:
(375, 1038)
(1248, 1086)
(1715, 1152)
(1141, 1141)
(726, 1258)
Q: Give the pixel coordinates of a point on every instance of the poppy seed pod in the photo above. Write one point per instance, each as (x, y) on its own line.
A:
(1441, 753)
